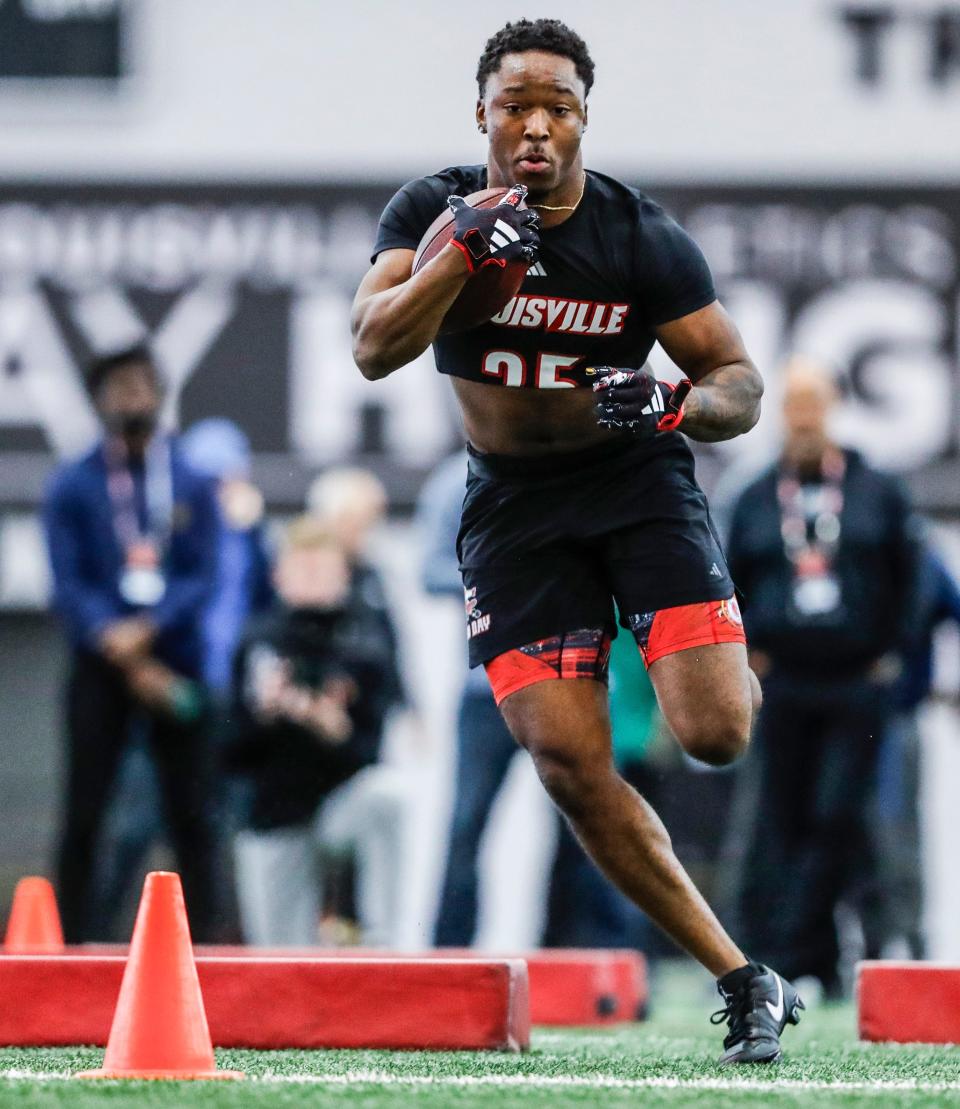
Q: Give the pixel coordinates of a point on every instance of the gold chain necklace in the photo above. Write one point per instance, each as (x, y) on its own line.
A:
(564, 207)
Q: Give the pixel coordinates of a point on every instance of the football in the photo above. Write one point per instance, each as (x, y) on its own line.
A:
(489, 289)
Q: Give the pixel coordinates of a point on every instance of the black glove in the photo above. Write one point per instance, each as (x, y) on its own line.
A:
(498, 235)
(633, 400)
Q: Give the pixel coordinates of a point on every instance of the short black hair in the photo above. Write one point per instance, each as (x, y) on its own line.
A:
(549, 35)
(103, 365)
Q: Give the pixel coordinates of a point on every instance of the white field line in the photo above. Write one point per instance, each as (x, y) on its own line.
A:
(550, 1082)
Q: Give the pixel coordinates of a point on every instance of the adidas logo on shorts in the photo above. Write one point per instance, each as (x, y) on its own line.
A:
(536, 270)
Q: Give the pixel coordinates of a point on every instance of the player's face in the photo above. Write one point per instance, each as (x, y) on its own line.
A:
(534, 112)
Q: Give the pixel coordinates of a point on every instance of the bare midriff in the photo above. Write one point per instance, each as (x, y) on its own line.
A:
(501, 420)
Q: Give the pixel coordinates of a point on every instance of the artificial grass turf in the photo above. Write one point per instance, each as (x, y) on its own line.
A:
(676, 1044)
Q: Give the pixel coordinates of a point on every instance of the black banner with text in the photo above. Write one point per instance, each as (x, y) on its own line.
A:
(244, 293)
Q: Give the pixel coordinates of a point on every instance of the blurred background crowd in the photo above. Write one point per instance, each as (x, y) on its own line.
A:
(231, 633)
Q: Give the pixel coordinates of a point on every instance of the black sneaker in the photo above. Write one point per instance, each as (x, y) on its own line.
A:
(759, 1005)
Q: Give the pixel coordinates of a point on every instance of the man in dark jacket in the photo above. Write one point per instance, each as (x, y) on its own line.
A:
(313, 683)
(823, 548)
(131, 531)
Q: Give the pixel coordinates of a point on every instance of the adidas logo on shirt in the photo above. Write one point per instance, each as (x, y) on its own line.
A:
(536, 270)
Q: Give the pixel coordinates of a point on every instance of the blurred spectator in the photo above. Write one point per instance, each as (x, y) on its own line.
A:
(313, 682)
(893, 910)
(131, 531)
(824, 549)
(352, 502)
(583, 909)
(219, 450)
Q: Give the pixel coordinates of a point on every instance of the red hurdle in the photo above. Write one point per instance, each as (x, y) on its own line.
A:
(442, 1004)
(905, 1002)
(568, 986)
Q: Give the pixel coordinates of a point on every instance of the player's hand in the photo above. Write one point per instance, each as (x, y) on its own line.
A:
(635, 401)
(498, 235)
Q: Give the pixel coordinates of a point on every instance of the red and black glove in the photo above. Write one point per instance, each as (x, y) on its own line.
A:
(635, 401)
(498, 235)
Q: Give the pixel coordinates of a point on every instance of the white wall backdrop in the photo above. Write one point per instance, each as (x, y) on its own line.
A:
(691, 89)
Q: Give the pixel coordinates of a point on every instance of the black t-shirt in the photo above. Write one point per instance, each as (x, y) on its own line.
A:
(608, 275)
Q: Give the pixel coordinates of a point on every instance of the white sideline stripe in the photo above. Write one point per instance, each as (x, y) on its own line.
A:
(606, 1082)
(544, 1082)
(14, 1073)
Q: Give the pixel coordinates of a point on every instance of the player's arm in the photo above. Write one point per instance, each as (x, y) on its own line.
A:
(397, 314)
(725, 399)
(718, 399)
(720, 396)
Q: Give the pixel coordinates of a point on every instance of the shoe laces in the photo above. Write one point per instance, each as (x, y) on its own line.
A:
(737, 1013)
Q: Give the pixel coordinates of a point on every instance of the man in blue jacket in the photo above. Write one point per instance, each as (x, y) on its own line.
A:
(132, 534)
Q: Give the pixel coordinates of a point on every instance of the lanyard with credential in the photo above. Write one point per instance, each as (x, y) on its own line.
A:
(142, 583)
(826, 524)
(816, 590)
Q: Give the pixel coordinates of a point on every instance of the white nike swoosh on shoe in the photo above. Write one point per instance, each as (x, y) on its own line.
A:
(776, 1011)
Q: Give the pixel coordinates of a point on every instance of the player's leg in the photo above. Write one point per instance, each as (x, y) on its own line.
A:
(697, 660)
(675, 594)
(696, 656)
(709, 697)
(565, 725)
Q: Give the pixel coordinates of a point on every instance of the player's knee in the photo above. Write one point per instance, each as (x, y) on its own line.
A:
(718, 741)
(572, 781)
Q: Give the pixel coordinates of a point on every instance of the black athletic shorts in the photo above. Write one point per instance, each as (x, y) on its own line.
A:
(547, 544)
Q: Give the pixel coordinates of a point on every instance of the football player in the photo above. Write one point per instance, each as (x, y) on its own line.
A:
(581, 489)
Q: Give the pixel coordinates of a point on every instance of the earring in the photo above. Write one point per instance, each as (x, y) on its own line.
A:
(481, 129)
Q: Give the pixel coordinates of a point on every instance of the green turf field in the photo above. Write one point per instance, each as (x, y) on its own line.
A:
(669, 1061)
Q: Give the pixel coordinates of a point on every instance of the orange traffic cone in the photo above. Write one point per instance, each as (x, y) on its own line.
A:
(34, 924)
(160, 1028)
